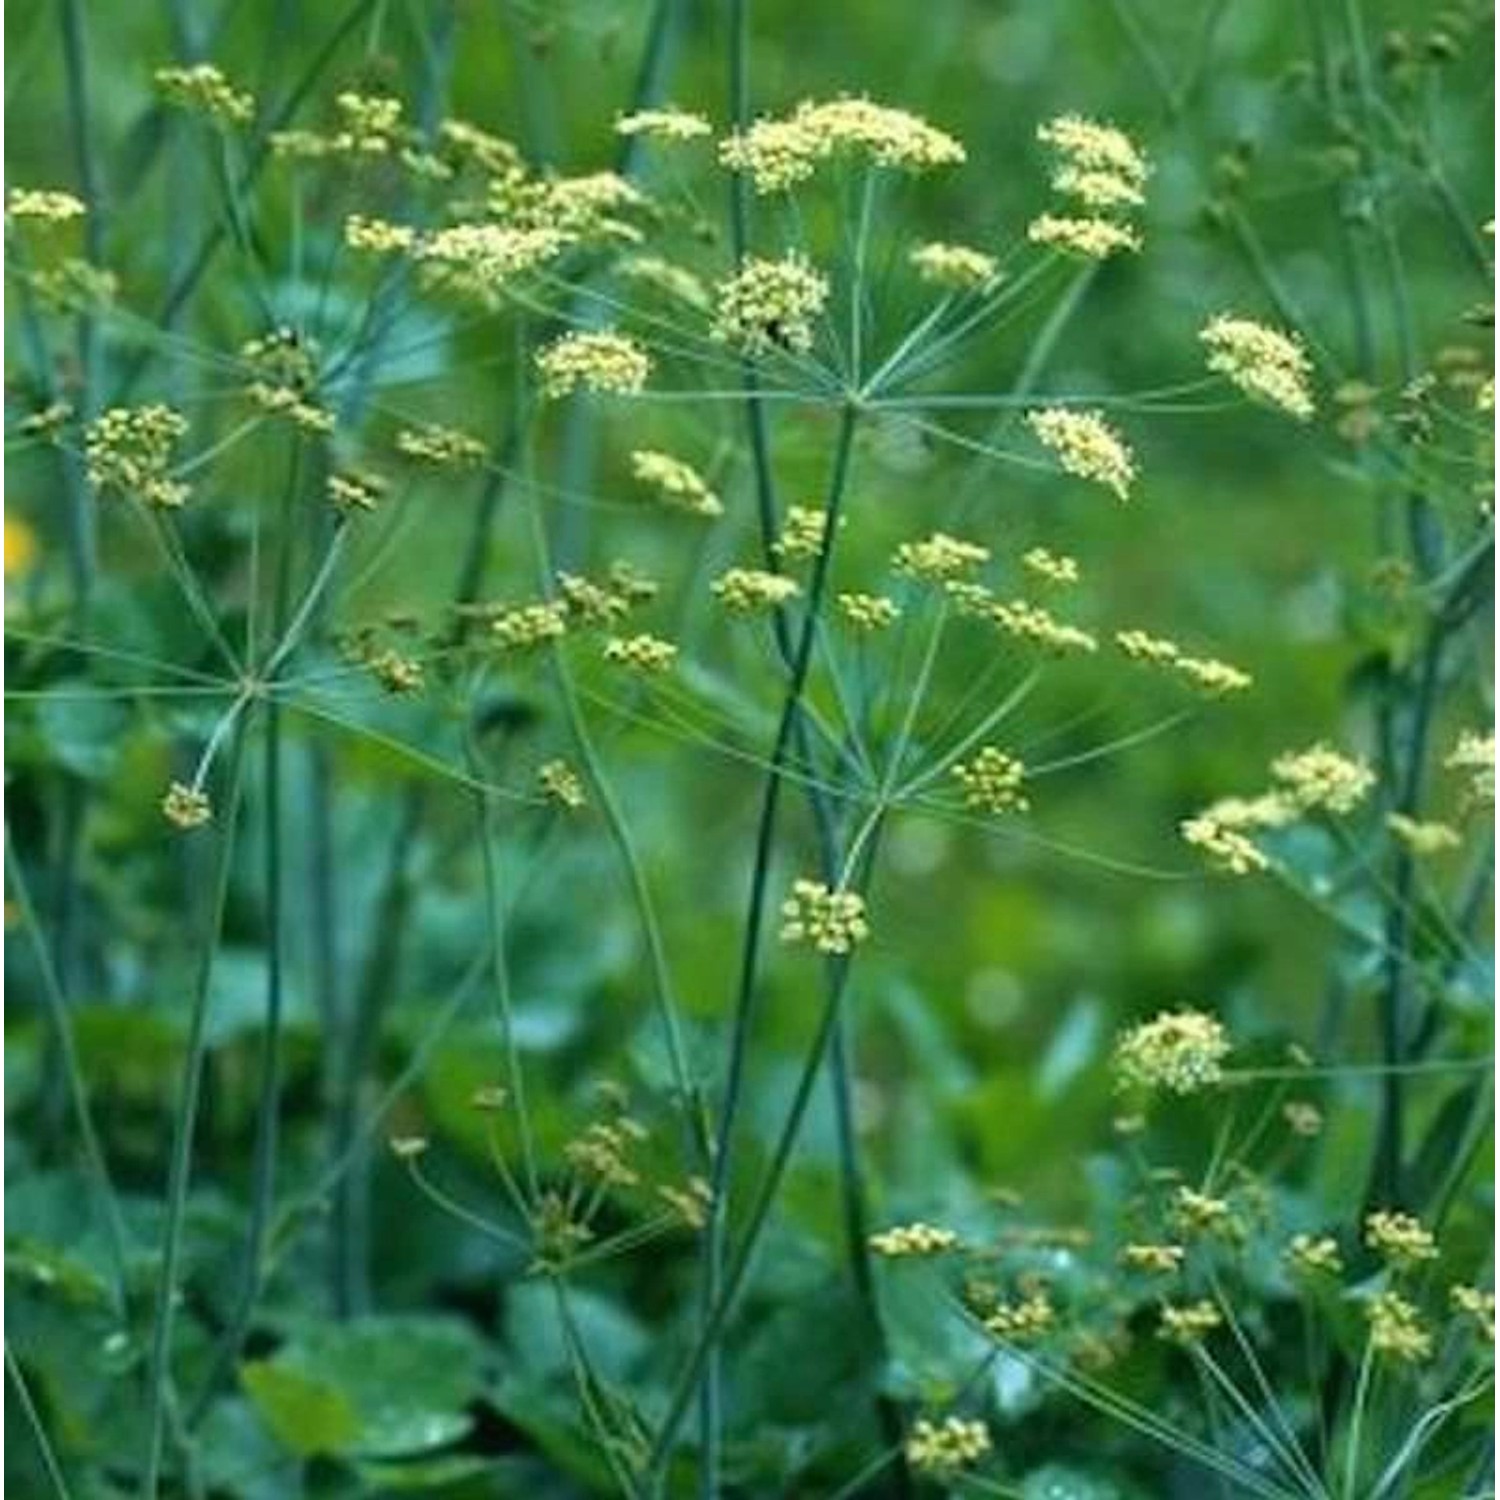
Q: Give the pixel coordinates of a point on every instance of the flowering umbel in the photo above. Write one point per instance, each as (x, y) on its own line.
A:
(1179, 1052)
(832, 921)
(1263, 362)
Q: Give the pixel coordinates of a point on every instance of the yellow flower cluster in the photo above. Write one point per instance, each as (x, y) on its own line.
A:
(185, 806)
(1050, 566)
(1397, 1330)
(691, 1203)
(665, 124)
(352, 492)
(1189, 1323)
(945, 1448)
(778, 153)
(832, 921)
(560, 783)
(1155, 1260)
(1475, 1303)
(640, 653)
(444, 446)
(524, 626)
(398, 675)
(1211, 675)
(1217, 832)
(868, 612)
(1475, 753)
(604, 362)
(1314, 1255)
(804, 532)
(1101, 170)
(1321, 778)
(1140, 646)
(602, 1152)
(128, 451)
(1180, 1051)
(750, 590)
(286, 366)
(1423, 838)
(1030, 622)
(1263, 362)
(590, 602)
(472, 260)
(48, 423)
(1200, 1213)
(1022, 1321)
(769, 304)
(203, 87)
(993, 781)
(956, 267)
(913, 1240)
(940, 556)
(1088, 236)
(677, 483)
(1085, 445)
(46, 204)
(1401, 1240)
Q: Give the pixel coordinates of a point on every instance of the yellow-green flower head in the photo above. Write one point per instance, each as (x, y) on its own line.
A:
(939, 557)
(993, 781)
(1022, 1321)
(1179, 1052)
(1263, 362)
(640, 653)
(1212, 676)
(804, 533)
(479, 259)
(665, 124)
(1085, 445)
(185, 806)
(1475, 753)
(1051, 567)
(1222, 841)
(446, 447)
(45, 205)
(1401, 1240)
(128, 451)
(957, 268)
(677, 483)
(351, 492)
(778, 153)
(1154, 1260)
(868, 612)
(204, 88)
(1095, 146)
(1320, 778)
(525, 626)
(769, 304)
(1476, 1304)
(943, 1449)
(560, 784)
(1189, 1323)
(905, 1240)
(609, 363)
(1314, 1255)
(1087, 236)
(832, 921)
(1030, 622)
(1397, 1329)
(752, 591)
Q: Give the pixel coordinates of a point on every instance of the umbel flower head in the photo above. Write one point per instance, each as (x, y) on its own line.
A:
(1320, 778)
(1102, 174)
(778, 153)
(769, 304)
(903, 1240)
(832, 921)
(47, 205)
(956, 268)
(993, 781)
(1263, 362)
(128, 451)
(185, 806)
(1402, 1241)
(1179, 1052)
(608, 363)
(666, 124)
(750, 590)
(679, 484)
(204, 88)
(942, 1449)
(1085, 445)
(1397, 1330)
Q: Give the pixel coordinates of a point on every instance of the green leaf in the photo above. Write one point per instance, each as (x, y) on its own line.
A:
(306, 1414)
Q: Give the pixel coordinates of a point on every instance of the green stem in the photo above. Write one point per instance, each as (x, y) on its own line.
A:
(159, 1374)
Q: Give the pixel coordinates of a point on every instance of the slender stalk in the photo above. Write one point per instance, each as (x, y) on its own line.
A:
(159, 1374)
(714, 1233)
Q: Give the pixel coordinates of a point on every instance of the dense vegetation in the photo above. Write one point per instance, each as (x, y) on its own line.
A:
(749, 749)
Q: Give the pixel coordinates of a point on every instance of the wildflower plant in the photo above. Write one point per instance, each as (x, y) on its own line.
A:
(554, 589)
